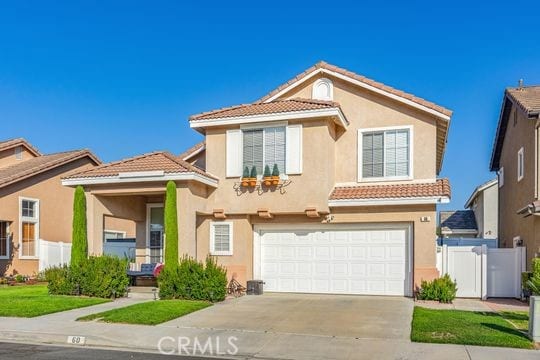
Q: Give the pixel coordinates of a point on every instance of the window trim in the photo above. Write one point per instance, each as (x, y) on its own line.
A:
(359, 154)
(34, 220)
(123, 233)
(520, 164)
(255, 127)
(212, 238)
(8, 238)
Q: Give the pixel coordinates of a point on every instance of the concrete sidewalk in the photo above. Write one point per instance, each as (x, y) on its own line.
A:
(55, 328)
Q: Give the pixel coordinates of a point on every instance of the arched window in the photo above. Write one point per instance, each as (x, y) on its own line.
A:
(323, 89)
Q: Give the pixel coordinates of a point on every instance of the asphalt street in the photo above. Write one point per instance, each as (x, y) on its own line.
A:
(16, 351)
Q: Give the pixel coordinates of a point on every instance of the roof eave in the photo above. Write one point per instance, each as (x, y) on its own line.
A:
(117, 179)
(334, 112)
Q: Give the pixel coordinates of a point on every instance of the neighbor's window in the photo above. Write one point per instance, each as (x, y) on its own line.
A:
(501, 177)
(264, 147)
(520, 164)
(18, 153)
(29, 227)
(386, 154)
(4, 239)
(221, 238)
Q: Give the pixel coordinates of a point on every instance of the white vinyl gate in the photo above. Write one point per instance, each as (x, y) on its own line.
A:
(53, 254)
(481, 272)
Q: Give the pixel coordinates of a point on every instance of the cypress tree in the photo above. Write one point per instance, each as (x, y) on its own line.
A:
(79, 240)
(171, 227)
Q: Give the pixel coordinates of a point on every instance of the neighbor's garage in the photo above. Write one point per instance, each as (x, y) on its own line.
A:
(335, 259)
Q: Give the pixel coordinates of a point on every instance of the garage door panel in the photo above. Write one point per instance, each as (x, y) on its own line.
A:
(371, 262)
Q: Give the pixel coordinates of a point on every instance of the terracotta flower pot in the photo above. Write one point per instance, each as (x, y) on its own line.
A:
(267, 180)
(252, 182)
(275, 180)
(245, 182)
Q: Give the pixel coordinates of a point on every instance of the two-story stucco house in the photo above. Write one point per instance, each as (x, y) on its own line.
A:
(35, 208)
(515, 158)
(355, 208)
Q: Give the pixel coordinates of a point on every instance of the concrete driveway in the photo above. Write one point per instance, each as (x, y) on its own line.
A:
(324, 315)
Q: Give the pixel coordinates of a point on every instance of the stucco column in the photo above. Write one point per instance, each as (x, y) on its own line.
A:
(186, 222)
(425, 251)
(94, 218)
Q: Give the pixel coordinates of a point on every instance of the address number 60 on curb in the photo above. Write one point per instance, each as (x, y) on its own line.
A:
(76, 340)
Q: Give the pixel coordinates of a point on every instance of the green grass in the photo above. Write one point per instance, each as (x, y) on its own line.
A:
(34, 300)
(467, 328)
(519, 319)
(148, 313)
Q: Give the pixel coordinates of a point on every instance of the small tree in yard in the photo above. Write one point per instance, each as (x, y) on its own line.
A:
(79, 240)
(171, 227)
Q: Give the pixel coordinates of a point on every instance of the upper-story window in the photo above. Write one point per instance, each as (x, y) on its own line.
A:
(520, 164)
(29, 227)
(263, 147)
(385, 154)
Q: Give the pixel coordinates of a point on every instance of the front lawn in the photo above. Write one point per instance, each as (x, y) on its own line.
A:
(149, 313)
(467, 328)
(520, 319)
(34, 300)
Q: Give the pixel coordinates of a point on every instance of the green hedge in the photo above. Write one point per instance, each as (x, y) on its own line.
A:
(193, 280)
(442, 289)
(99, 276)
(534, 280)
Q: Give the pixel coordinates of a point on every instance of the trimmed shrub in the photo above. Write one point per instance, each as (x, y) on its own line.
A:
(245, 174)
(267, 172)
(79, 246)
(192, 280)
(275, 170)
(253, 173)
(534, 280)
(442, 289)
(171, 226)
(98, 276)
(216, 280)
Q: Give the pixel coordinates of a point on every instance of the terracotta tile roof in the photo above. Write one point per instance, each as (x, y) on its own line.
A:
(457, 220)
(278, 106)
(192, 150)
(155, 161)
(363, 79)
(11, 143)
(527, 98)
(439, 188)
(40, 164)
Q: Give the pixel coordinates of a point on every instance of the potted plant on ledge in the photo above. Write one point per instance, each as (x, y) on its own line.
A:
(267, 176)
(275, 175)
(245, 177)
(253, 177)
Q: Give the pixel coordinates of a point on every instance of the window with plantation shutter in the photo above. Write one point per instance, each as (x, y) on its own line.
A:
(221, 242)
(263, 147)
(385, 154)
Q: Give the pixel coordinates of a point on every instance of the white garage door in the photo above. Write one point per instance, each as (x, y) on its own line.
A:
(360, 260)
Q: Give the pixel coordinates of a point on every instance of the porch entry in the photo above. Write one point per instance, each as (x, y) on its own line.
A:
(155, 223)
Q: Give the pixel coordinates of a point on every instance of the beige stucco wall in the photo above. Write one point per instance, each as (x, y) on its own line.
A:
(55, 205)
(311, 188)
(514, 195)
(364, 110)
(490, 222)
(7, 157)
(240, 264)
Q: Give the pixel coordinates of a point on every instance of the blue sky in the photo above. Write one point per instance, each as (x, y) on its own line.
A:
(122, 79)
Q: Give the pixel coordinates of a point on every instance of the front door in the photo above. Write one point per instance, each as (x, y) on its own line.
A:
(155, 221)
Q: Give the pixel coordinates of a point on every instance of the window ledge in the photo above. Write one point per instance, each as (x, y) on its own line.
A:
(29, 257)
(221, 253)
(386, 179)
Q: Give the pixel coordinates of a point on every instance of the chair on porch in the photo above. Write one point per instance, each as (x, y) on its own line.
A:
(145, 275)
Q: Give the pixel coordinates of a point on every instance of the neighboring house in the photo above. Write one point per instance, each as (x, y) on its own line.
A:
(355, 210)
(458, 224)
(34, 206)
(515, 158)
(484, 202)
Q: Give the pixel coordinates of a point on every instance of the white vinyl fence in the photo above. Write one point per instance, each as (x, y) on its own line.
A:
(53, 254)
(481, 272)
